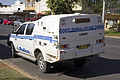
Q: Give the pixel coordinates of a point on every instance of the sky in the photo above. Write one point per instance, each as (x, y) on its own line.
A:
(9, 2)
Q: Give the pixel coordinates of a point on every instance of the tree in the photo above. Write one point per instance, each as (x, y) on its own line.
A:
(96, 5)
(92, 6)
(112, 6)
(0, 4)
(61, 6)
(89, 6)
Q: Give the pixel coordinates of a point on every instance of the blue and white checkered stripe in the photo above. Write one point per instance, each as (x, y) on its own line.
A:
(70, 30)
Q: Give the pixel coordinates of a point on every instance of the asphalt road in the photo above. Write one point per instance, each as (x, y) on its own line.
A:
(104, 67)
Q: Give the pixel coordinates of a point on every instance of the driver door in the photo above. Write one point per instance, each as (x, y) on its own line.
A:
(29, 41)
(19, 38)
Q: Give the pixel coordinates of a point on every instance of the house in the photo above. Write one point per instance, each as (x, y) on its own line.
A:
(41, 7)
(30, 5)
(111, 20)
(18, 6)
(10, 9)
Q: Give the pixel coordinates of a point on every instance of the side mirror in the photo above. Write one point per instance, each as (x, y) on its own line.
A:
(14, 32)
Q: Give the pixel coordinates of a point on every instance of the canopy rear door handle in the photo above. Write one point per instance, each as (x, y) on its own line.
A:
(30, 39)
(45, 43)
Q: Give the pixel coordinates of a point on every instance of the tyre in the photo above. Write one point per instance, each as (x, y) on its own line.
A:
(80, 62)
(13, 51)
(43, 65)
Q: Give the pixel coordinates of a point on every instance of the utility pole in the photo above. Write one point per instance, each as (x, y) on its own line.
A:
(103, 13)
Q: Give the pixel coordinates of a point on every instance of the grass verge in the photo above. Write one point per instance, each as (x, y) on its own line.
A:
(7, 73)
(112, 33)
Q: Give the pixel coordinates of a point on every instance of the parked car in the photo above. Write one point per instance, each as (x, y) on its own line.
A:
(10, 22)
(1, 20)
(5, 21)
(28, 19)
(18, 22)
(33, 19)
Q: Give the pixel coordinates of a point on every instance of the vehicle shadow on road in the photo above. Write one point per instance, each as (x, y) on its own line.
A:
(100, 67)
(3, 37)
(4, 52)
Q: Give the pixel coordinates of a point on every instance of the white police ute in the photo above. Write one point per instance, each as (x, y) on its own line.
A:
(59, 37)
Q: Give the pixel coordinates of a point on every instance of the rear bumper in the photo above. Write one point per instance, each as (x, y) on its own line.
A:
(72, 54)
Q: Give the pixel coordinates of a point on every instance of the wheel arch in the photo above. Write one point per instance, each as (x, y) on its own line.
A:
(9, 43)
(35, 52)
(40, 51)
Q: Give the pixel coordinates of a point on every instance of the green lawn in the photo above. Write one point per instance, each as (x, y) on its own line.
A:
(112, 33)
(7, 73)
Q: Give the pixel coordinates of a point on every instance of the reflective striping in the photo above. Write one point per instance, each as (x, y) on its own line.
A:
(20, 36)
(89, 28)
(47, 38)
(28, 37)
(13, 36)
(44, 38)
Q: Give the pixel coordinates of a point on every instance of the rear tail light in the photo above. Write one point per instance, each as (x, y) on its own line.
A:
(100, 41)
(64, 46)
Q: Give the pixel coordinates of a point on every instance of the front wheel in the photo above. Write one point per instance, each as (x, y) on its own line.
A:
(13, 51)
(43, 65)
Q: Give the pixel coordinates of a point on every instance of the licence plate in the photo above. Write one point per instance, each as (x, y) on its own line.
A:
(83, 46)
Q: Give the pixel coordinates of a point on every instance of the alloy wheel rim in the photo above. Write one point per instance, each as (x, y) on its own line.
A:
(12, 50)
(41, 63)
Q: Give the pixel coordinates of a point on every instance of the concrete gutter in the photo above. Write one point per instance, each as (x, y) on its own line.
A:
(19, 70)
(0, 60)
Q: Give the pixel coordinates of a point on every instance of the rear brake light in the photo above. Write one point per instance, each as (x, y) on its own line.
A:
(65, 46)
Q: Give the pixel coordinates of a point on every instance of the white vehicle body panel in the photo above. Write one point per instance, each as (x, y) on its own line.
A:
(50, 32)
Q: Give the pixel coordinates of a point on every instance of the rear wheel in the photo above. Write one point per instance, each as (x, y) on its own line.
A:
(43, 65)
(80, 62)
(13, 51)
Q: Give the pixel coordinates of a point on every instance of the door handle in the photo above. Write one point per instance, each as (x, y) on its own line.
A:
(21, 38)
(15, 38)
(45, 43)
(30, 39)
